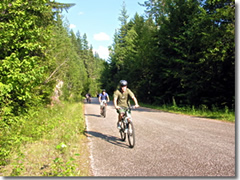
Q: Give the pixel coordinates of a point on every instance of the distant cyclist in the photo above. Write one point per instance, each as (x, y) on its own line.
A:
(88, 97)
(103, 99)
(121, 100)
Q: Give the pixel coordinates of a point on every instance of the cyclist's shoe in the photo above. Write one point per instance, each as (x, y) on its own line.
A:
(119, 125)
(126, 130)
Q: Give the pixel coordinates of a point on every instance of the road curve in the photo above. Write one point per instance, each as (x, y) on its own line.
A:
(167, 145)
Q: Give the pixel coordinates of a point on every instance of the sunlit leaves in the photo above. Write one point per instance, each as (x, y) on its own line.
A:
(24, 36)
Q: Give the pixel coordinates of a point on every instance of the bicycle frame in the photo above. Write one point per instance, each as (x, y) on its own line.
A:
(127, 116)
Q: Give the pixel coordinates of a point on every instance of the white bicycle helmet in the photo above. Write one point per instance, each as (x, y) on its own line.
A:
(123, 83)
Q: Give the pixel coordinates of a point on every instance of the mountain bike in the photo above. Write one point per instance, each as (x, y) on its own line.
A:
(127, 128)
(88, 98)
(103, 108)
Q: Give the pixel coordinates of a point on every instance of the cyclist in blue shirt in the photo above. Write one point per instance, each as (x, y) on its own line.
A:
(103, 99)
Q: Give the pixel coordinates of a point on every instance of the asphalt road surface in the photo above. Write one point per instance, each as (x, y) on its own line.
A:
(167, 145)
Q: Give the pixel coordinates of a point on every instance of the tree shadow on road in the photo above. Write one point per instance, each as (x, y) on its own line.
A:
(110, 139)
(95, 115)
(145, 109)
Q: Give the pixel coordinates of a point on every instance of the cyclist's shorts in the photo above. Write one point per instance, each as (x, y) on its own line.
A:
(122, 110)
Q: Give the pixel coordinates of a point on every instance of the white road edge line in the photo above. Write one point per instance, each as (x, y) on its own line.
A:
(91, 144)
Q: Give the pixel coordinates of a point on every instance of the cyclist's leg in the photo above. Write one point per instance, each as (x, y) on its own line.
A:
(120, 116)
(119, 120)
(103, 102)
(121, 113)
(101, 107)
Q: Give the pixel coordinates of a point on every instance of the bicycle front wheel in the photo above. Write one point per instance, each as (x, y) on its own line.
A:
(104, 111)
(131, 135)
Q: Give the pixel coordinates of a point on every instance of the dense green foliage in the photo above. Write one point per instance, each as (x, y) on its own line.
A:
(24, 38)
(184, 50)
(38, 51)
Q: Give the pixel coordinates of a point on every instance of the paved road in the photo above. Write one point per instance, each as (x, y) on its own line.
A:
(167, 145)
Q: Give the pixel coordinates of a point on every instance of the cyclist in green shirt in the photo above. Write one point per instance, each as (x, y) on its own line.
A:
(121, 100)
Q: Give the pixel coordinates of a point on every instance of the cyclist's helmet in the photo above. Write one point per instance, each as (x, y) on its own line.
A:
(123, 83)
(103, 90)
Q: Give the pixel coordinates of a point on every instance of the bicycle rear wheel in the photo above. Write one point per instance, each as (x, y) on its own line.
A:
(131, 135)
(122, 133)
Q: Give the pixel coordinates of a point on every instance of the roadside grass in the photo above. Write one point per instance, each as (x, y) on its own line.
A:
(56, 144)
(202, 111)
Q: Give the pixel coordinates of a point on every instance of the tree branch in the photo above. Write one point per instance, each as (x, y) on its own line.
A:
(48, 79)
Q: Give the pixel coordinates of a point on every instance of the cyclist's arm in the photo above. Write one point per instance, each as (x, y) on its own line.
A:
(135, 101)
(108, 99)
(99, 98)
(133, 97)
(115, 103)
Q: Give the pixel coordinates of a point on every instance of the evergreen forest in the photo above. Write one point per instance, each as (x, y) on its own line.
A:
(180, 51)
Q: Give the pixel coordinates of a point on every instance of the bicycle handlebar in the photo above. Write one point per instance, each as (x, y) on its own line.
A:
(133, 107)
(129, 107)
